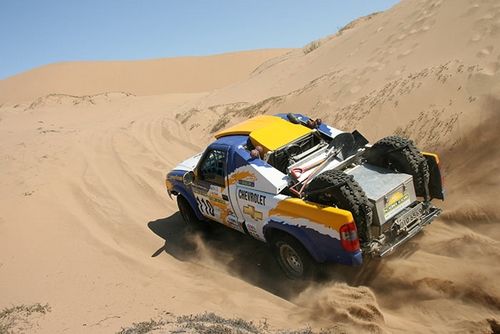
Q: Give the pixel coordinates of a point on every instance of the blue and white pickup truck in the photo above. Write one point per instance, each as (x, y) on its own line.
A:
(312, 192)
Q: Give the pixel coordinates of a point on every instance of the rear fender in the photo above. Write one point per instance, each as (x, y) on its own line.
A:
(316, 226)
(436, 186)
(296, 232)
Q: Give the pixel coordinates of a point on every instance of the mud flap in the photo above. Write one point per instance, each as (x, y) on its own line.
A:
(436, 189)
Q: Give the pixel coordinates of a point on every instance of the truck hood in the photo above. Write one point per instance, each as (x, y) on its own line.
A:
(189, 164)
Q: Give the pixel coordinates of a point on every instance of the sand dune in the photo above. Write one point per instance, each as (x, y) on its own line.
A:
(144, 77)
(86, 226)
(408, 38)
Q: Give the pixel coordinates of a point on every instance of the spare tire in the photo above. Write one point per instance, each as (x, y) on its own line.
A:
(400, 155)
(336, 188)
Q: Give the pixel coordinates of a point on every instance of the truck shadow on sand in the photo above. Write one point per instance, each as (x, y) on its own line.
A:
(247, 258)
(237, 253)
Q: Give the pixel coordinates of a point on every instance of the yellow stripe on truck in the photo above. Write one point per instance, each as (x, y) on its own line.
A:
(320, 214)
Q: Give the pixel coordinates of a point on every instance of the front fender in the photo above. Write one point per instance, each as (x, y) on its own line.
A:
(188, 195)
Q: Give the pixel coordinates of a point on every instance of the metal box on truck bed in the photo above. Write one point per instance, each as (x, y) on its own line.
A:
(388, 191)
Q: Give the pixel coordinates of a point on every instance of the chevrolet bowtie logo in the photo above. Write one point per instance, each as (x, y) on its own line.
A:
(250, 210)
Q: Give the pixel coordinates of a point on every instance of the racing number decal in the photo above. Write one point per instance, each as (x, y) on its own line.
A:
(205, 206)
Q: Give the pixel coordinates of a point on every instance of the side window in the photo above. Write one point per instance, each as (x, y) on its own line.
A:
(212, 167)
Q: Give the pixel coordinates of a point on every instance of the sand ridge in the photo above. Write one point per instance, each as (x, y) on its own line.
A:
(141, 77)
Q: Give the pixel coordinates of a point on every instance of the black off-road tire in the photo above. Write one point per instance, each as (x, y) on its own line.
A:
(336, 188)
(189, 216)
(293, 258)
(400, 155)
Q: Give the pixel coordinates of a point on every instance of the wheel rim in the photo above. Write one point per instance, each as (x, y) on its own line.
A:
(291, 259)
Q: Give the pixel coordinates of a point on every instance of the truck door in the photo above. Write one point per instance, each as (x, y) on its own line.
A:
(210, 189)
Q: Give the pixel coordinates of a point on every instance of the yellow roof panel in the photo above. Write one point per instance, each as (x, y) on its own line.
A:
(246, 127)
(270, 132)
(277, 134)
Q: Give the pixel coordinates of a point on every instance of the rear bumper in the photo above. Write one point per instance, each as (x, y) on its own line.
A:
(397, 238)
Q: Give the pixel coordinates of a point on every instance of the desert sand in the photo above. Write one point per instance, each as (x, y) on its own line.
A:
(86, 225)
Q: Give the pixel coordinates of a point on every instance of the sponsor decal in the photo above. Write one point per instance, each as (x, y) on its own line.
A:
(251, 228)
(395, 197)
(252, 197)
(250, 210)
(246, 183)
(217, 199)
(199, 190)
(232, 221)
(395, 201)
(242, 175)
(252, 231)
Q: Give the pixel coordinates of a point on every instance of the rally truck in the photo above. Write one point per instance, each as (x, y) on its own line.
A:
(314, 193)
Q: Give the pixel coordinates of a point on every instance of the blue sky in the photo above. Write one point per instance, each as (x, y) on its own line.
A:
(36, 32)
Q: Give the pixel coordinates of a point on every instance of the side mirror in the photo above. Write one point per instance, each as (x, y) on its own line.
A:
(188, 178)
